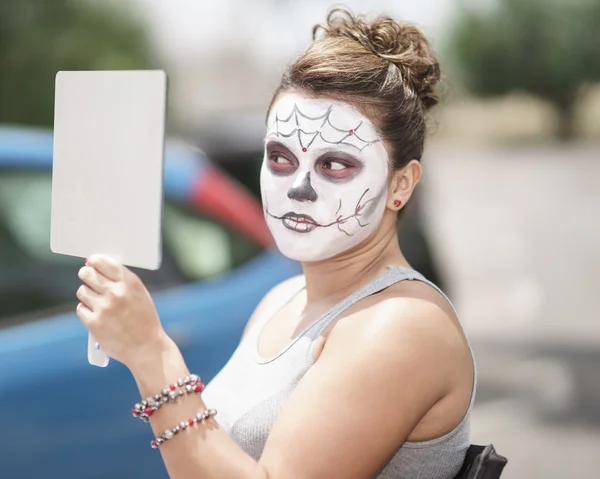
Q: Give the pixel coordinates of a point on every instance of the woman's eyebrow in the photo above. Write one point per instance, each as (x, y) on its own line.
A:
(274, 144)
(317, 152)
(321, 152)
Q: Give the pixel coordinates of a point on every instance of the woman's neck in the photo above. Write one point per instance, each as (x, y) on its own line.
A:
(343, 275)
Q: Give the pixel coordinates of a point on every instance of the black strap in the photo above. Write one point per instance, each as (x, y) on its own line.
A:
(482, 462)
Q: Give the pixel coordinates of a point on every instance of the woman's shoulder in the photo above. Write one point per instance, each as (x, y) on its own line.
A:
(417, 296)
(409, 317)
(275, 299)
(405, 302)
(406, 338)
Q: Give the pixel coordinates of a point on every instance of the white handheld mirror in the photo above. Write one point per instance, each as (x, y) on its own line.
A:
(107, 173)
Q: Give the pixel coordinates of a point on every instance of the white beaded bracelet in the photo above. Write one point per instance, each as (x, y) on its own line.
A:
(183, 425)
(187, 385)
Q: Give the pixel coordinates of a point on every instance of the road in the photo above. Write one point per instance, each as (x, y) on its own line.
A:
(517, 230)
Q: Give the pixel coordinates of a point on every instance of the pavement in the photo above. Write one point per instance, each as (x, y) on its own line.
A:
(517, 231)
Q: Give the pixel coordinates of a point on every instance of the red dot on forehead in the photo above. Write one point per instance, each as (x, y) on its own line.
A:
(304, 149)
(352, 132)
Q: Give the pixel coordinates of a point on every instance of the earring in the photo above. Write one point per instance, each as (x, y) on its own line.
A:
(397, 203)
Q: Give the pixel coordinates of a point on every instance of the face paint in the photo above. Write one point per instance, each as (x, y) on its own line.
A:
(323, 177)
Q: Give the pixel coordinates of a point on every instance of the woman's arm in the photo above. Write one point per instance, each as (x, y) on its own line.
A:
(203, 451)
(380, 371)
(349, 414)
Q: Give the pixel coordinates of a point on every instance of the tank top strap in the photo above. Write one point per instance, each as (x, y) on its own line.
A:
(423, 279)
(391, 276)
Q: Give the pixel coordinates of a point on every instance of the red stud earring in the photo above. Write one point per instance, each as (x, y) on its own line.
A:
(397, 203)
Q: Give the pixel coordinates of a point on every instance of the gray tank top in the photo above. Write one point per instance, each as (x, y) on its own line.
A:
(250, 391)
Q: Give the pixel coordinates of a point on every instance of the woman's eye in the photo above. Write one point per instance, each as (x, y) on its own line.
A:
(334, 165)
(337, 169)
(280, 163)
(279, 159)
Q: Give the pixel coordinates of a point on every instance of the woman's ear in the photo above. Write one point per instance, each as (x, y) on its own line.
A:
(402, 184)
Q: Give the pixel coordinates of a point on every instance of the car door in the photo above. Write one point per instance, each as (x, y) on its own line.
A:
(74, 419)
(34, 282)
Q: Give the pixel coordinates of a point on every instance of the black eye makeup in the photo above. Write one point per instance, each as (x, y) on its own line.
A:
(331, 164)
(280, 160)
(336, 165)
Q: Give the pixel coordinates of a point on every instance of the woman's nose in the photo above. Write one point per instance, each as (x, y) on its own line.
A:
(302, 190)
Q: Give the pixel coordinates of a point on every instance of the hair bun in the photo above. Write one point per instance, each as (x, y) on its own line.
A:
(401, 44)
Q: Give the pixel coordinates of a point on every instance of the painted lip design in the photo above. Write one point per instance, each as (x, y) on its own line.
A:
(299, 223)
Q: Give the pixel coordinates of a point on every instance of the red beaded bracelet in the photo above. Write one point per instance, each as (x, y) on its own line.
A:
(182, 426)
(187, 385)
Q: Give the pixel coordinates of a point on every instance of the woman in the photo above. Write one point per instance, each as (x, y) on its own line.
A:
(358, 368)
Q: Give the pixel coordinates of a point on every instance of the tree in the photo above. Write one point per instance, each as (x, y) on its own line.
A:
(548, 48)
(40, 37)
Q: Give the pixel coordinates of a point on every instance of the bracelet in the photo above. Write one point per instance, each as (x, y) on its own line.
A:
(182, 426)
(187, 385)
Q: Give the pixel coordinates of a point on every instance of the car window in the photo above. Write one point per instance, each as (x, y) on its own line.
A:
(25, 214)
(201, 246)
(34, 280)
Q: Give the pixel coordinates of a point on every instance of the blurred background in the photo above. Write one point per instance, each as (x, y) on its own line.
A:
(506, 219)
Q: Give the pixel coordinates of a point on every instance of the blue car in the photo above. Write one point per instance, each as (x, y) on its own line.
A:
(61, 417)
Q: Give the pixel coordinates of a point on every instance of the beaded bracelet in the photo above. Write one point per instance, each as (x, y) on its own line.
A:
(187, 385)
(182, 426)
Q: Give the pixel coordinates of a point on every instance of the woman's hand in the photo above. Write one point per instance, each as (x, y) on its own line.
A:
(117, 309)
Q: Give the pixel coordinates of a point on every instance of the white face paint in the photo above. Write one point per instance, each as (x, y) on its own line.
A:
(323, 179)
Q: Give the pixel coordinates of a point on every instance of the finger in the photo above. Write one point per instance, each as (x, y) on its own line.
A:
(85, 314)
(88, 297)
(106, 266)
(94, 279)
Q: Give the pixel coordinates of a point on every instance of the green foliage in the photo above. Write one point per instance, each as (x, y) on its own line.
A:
(548, 48)
(40, 37)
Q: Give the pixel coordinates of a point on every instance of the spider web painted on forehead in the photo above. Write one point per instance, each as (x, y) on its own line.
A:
(349, 137)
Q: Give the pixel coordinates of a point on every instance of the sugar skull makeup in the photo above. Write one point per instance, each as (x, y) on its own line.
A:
(323, 178)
